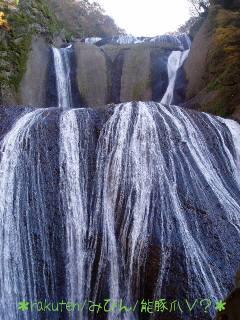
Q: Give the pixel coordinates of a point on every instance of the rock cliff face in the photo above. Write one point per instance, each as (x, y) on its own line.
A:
(232, 310)
(228, 4)
(100, 75)
(213, 66)
(33, 19)
(92, 75)
(32, 89)
(118, 73)
(113, 74)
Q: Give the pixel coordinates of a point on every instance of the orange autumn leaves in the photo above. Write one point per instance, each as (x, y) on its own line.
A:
(3, 22)
(10, 4)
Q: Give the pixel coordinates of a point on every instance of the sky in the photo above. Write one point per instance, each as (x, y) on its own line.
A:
(147, 17)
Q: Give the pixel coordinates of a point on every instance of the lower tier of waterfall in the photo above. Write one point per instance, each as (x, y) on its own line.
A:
(136, 202)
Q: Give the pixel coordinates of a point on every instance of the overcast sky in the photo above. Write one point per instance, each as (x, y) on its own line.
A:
(147, 17)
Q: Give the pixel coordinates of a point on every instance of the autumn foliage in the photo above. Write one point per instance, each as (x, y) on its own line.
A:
(3, 22)
(9, 4)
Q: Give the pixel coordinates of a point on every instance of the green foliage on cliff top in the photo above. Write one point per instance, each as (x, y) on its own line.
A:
(224, 62)
(46, 18)
(30, 18)
(84, 18)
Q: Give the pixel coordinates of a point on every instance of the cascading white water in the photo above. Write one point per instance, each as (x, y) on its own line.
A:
(76, 143)
(145, 152)
(168, 41)
(159, 207)
(175, 62)
(92, 40)
(234, 128)
(23, 207)
(63, 81)
(20, 219)
(76, 139)
(73, 182)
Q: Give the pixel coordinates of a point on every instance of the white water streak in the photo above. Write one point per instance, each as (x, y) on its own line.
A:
(63, 81)
(175, 62)
(135, 167)
(18, 280)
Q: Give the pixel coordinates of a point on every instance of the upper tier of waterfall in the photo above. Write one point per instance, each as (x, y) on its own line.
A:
(112, 71)
(97, 77)
(180, 42)
(62, 65)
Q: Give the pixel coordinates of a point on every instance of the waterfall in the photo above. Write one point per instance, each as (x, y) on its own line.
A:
(136, 201)
(24, 208)
(178, 42)
(77, 142)
(73, 180)
(62, 67)
(92, 40)
(235, 131)
(175, 62)
(27, 260)
(158, 177)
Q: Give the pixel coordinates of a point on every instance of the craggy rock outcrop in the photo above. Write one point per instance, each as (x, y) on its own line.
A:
(195, 65)
(121, 73)
(31, 19)
(91, 74)
(129, 72)
(55, 21)
(228, 4)
(136, 75)
(32, 89)
(212, 69)
(99, 75)
(232, 310)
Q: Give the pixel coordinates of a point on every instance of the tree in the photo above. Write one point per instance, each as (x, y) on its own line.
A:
(11, 4)
(186, 27)
(84, 18)
(197, 7)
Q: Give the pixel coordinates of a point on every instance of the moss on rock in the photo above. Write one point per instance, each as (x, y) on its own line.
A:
(224, 62)
(220, 74)
(31, 18)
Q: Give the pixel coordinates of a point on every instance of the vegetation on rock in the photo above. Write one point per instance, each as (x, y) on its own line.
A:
(3, 22)
(197, 6)
(219, 86)
(223, 62)
(48, 19)
(31, 18)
